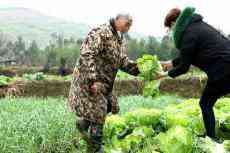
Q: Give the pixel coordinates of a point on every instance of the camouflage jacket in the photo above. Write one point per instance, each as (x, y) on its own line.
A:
(101, 55)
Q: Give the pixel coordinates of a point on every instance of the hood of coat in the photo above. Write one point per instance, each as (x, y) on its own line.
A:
(186, 17)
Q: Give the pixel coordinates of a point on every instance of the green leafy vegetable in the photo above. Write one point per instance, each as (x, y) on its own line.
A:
(149, 67)
(225, 123)
(186, 114)
(227, 145)
(113, 125)
(151, 88)
(143, 117)
(37, 76)
(176, 140)
(4, 80)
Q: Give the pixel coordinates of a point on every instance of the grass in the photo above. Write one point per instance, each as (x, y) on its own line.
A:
(30, 125)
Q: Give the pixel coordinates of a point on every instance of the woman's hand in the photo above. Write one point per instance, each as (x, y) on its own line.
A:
(161, 75)
(166, 65)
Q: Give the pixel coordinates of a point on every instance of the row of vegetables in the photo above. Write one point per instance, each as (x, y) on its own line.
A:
(4, 80)
(174, 129)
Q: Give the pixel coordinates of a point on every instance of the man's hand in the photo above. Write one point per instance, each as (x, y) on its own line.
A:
(96, 88)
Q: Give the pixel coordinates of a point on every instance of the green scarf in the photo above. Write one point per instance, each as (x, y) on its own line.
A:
(181, 23)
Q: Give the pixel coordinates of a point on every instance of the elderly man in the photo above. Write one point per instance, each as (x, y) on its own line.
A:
(102, 54)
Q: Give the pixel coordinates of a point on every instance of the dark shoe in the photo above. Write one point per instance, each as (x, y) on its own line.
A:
(83, 126)
(85, 136)
(217, 140)
(101, 150)
(95, 149)
(124, 133)
(90, 149)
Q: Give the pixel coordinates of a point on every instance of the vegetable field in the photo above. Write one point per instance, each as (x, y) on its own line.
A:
(151, 123)
(164, 124)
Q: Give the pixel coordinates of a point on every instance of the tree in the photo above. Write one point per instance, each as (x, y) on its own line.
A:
(20, 49)
(62, 52)
(6, 48)
(51, 56)
(166, 48)
(153, 46)
(32, 53)
(136, 48)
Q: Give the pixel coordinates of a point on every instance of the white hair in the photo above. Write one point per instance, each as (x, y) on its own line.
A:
(125, 16)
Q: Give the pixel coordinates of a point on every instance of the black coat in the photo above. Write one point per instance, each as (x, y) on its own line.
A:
(205, 47)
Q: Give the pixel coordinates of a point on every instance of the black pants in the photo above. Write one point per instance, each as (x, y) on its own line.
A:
(92, 133)
(212, 92)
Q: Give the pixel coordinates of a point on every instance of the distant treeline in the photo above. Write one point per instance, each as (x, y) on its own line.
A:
(64, 52)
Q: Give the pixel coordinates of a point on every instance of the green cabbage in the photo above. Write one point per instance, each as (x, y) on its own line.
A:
(177, 127)
(4, 80)
(149, 67)
(143, 117)
(37, 76)
(186, 114)
(151, 88)
(225, 123)
(114, 124)
(227, 145)
(131, 141)
(176, 140)
(223, 105)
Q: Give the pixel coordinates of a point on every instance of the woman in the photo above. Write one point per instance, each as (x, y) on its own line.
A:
(205, 47)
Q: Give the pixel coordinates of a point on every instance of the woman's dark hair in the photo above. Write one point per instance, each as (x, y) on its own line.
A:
(171, 17)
